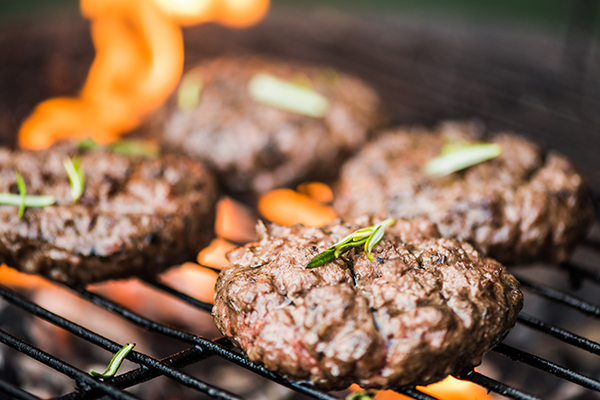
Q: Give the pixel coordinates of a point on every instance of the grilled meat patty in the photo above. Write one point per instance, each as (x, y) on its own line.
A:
(137, 215)
(254, 147)
(423, 308)
(525, 205)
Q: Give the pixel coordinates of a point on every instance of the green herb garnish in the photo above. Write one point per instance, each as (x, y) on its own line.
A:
(286, 95)
(76, 176)
(362, 395)
(188, 94)
(22, 192)
(115, 363)
(22, 200)
(124, 146)
(368, 237)
(458, 156)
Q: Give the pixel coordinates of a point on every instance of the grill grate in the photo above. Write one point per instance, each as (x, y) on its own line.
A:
(388, 68)
(87, 387)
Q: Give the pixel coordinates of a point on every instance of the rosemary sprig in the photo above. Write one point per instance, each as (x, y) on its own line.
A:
(188, 94)
(115, 363)
(125, 146)
(368, 237)
(76, 176)
(362, 395)
(22, 192)
(286, 95)
(22, 200)
(455, 157)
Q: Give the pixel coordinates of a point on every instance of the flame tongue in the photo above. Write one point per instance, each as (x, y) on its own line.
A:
(139, 60)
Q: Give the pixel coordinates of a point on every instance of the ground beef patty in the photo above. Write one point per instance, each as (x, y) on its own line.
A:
(522, 206)
(423, 308)
(137, 216)
(254, 147)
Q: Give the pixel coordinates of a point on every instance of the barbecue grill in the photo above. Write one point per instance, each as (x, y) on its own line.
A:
(425, 73)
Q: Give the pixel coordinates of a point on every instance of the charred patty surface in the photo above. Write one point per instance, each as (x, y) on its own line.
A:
(423, 308)
(137, 215)
(525, 205)
(254, 147)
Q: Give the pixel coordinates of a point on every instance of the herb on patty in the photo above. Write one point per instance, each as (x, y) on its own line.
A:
(22, 200)
(286, 95)
(369, 237)
(458, 156)
(76, 176)
(124, 146)
(115, 363)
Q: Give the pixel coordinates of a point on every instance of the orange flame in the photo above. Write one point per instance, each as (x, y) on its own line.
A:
(139, 60)
(447, 389)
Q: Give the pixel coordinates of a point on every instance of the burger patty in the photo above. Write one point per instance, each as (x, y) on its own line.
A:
(423, 308)
(525, 205)
(253, 147)
(137, 216)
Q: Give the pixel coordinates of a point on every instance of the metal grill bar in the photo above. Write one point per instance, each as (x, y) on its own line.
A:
(561, 334)
(107, 344)
(547, 366)
(578, 272)
(182, 296)
(78, 375)
(203, 343)
(16, 392)
(495, 386)
(582, 306)
(410, 391)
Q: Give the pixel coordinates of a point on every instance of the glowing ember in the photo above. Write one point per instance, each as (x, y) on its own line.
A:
(139, 60)
(447, 389)
(288, 207)
(11, 277)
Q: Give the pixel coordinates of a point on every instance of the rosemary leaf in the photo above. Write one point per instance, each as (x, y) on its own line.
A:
(115, 363)
(135, 147)
(362, 395)
(11, 199)
(76, 176)
(369, 237)
(456, 158)
(22, 193)
(188, 94)
(289, 96)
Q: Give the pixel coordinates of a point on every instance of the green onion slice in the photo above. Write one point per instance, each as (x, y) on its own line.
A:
(125, 146)
(368, 237)
(286, 95)
(188, 94)
(22, 200)
(115, 363)
(458, 157)
(76, 176)
(22, 192)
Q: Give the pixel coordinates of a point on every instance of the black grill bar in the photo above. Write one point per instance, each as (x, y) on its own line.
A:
(82, 378)
(411, 391)
(561, 334)
(182, 296)
(203, 343)
(580, 273)
(16, 392)
(143, 374)
(547, 366)
(583, 306)
(493, 385)
(109, 345)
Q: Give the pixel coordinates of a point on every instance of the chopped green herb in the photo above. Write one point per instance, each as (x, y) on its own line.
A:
(76, 176)
(188, 95)
(22, 192)
(22, 200)
(124, 146)
(455, 157)
(115, 363)
(11, 199)
(368, 237)
(135, 147)
(362, 395)
(289, 96)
